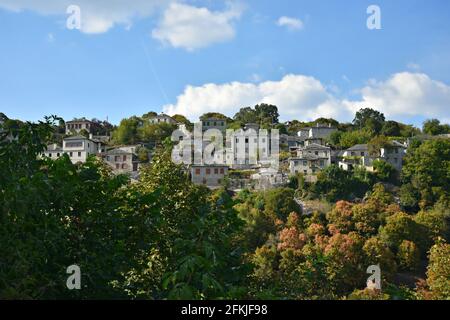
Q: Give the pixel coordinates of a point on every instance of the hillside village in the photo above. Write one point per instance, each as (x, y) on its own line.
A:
(307, 150)
(334, 199)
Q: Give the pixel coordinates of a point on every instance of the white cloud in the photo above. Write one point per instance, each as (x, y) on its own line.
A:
(96, 16)
(406, 94)
(296, 96)
(290, 23)
(188, 27)
(301, 97)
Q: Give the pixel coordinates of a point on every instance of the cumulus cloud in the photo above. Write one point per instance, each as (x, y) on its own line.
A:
(290, 23)
(296, 96)
(406, 94)
(96, 16)
(189, 27)
(306, 98)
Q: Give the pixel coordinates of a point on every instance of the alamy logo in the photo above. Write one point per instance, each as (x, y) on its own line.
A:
(74, 280)
(74, 19)
(239, 147)
(374, 281)
(374, 20)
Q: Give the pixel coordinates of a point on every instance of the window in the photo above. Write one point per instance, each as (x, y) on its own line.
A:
(317, 153)
(305, 163)
(124, 158)
(58, 155)
(362, 154)
(237, 140)
(208, 171)
(79, 154)
(76, 144)
(117, 166)
(116, 158)
(89, 145)
(216, 171)
(204, 180)
(221, 171)
(71, 154)
(322, 163)
(124, 165)
(197, 171)
(352, 154)
(49, 155)
(246, 140)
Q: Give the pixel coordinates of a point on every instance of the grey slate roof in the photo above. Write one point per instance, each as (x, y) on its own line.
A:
(359, 147)
(315, 146)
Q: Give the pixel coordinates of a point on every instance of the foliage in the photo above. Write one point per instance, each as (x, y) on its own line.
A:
(427, 170)
(214, 115)
(408, 255)
(165, 238)
(263, 114)
(369, 118)
(391, 128)
(433, 127)
(348, 139)
(126, 132)
(384, 171)
(438, 274)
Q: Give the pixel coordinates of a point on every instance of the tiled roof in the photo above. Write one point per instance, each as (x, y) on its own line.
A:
(315, 146)
(76, 138)
(117, 151)
(358, 147)
(307, 156)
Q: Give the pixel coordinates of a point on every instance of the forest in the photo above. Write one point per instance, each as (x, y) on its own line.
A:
(166, 238)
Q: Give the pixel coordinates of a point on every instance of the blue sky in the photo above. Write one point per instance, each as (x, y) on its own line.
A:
(135, 56)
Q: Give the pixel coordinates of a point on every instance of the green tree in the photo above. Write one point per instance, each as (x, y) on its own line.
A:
(391, 129)
(370, 119)
(246, 115)
(438, 273)
(408, 256)
(350, 138)
(427, 169)
(433, 127)
(214, 115)
(267, 113)
(127, 131)
(384, 171)
(280, 202)
(182, 119)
